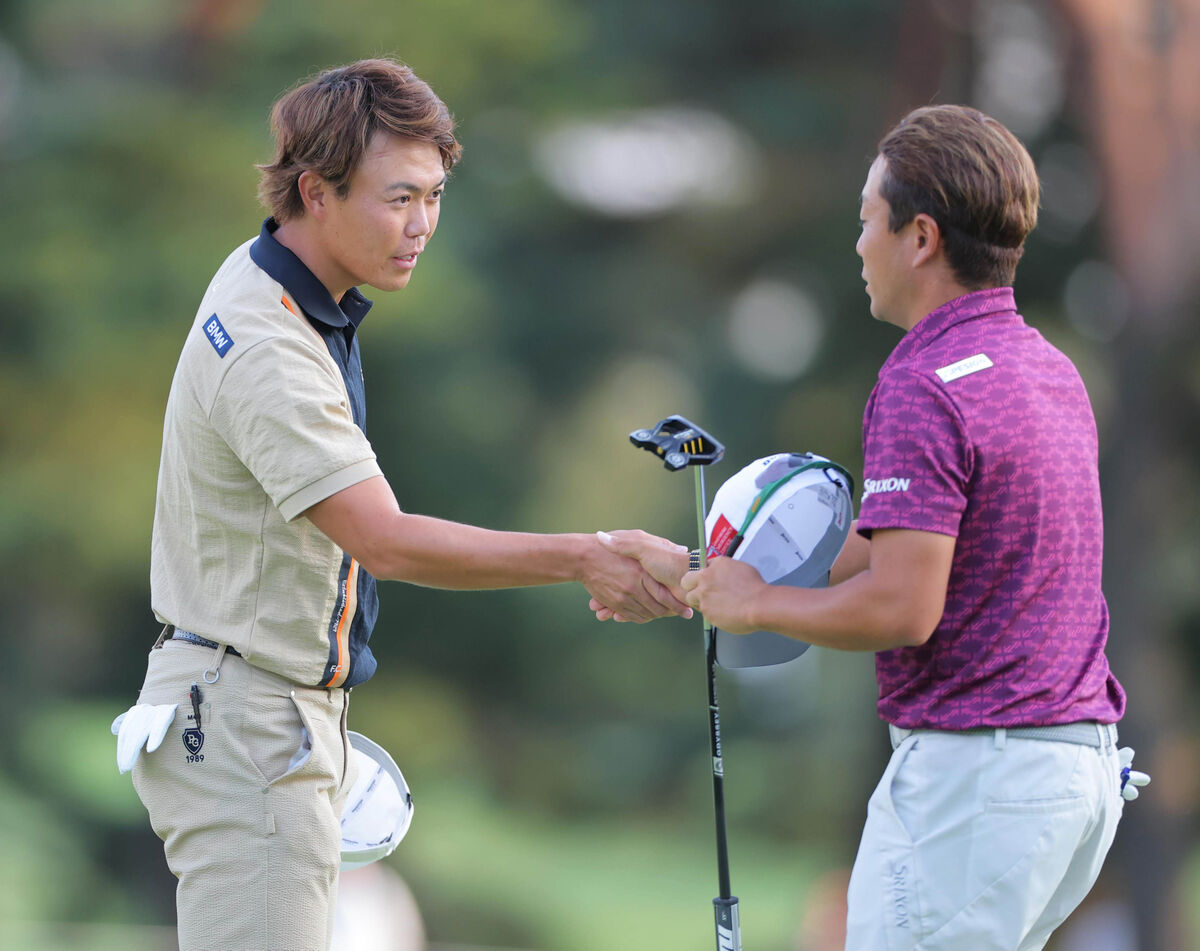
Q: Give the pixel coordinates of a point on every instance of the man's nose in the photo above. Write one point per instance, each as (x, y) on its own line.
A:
(418, 222)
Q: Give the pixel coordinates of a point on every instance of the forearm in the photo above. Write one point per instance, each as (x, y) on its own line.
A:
(860, 614)
(436, 553)
(854, 557)
(897, 601)
(367, 523)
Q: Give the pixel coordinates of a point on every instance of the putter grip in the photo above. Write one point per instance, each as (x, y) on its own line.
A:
(729, 928)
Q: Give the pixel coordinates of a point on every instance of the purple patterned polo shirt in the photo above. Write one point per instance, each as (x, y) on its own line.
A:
(979, 429)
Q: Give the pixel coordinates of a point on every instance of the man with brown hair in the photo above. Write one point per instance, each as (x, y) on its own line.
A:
(974, 574)
(273, 520)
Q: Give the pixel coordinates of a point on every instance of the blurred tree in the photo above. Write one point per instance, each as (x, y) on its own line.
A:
(1141, 97)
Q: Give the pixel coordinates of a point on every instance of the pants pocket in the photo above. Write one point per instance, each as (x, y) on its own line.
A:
(1016, 858)
(1049, 806)
(900, 779)
(277, 738)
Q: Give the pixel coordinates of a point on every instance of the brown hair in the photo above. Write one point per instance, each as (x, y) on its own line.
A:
(974, 178)
(324, 125)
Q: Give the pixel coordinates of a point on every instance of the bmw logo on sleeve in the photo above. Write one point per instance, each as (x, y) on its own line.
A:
(217, 336)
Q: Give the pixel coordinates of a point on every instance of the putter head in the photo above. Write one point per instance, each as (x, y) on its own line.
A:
(679, 443)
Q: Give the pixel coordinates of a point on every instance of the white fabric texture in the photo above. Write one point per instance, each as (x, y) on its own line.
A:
(974, 841)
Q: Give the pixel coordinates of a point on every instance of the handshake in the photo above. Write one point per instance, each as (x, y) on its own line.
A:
(646, 577)
(768, 514)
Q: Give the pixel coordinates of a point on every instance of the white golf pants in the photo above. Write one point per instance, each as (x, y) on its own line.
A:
(981, 841)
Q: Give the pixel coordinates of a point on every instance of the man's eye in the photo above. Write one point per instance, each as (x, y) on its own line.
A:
(401, 200)
(437, 194)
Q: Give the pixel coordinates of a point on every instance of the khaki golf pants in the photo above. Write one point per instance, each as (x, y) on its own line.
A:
(248, 803)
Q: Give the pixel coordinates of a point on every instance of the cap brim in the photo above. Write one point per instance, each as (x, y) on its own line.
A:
(760, 649)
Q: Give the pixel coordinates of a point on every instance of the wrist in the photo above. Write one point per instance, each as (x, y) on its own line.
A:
(582, 551)
(756, 606)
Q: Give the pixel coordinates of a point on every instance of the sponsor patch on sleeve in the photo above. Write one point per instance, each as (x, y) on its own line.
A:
(966, 367)
(217, 336)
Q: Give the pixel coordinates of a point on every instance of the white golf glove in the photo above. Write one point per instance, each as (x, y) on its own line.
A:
(143, 725)
(1131, 779)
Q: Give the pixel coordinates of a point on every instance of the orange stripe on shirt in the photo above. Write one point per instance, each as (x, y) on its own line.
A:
(288, 304)
(349, 607)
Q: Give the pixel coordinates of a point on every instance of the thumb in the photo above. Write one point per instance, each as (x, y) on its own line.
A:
(612, 544)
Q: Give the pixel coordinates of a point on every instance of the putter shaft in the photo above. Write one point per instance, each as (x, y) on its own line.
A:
(714, 710)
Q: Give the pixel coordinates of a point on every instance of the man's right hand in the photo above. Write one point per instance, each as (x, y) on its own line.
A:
(664, 563)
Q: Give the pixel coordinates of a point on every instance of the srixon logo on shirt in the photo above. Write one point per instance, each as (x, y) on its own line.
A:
(879, 486)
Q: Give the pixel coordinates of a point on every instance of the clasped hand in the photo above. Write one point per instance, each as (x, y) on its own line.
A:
(722, 591)
(623, 587)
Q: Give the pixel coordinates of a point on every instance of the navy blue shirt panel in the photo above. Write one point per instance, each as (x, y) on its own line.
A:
(337, 323)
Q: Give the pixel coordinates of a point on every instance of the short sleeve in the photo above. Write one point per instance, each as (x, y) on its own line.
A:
(283, 410)
(917, 458)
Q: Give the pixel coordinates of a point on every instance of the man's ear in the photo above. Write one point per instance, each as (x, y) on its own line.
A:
(314, 192)
(927, 239)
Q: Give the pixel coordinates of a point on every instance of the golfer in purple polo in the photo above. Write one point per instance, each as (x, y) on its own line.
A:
(975, 571)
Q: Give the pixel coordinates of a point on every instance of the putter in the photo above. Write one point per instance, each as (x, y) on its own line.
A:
(679, 443)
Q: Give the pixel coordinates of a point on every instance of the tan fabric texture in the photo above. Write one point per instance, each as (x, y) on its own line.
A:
(253, 437)
(250, 818)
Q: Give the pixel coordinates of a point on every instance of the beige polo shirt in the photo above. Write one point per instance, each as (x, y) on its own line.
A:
(259, 427)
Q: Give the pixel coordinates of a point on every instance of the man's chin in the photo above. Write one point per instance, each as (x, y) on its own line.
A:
(391, 282)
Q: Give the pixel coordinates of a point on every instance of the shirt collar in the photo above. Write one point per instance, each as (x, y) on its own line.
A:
(985, 303)
(318, 304)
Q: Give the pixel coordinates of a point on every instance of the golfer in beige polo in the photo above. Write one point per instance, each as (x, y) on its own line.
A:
(273, 520)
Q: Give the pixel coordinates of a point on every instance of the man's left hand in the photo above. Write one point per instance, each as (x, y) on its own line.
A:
(724, 592)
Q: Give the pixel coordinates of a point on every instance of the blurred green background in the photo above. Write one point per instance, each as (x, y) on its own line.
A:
(656, 213)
